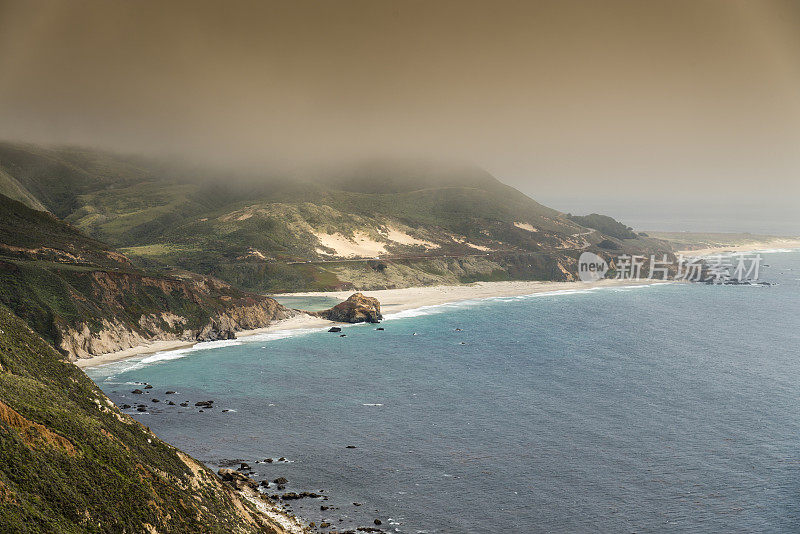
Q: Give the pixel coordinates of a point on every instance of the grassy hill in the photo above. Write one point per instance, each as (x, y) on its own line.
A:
(70, 461)
(270, 232)
(86, 299)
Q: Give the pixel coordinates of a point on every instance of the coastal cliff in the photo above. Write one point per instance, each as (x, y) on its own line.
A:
(87, 300)
(85, 340)
(73, 462)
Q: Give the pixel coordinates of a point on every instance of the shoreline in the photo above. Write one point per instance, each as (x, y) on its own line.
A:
(392, 301)
(292, 323)
(397, 300)
(402, 299)
(754, 246)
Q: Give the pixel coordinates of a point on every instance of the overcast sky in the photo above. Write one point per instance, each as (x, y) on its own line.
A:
(643, 107)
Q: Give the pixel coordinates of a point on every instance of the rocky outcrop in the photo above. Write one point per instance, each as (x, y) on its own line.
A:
(70, 454)
(237, 318)
(356, 309)
(224, 317)
(236, 479)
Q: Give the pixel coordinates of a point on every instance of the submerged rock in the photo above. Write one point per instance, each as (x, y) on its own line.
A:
(335, 329)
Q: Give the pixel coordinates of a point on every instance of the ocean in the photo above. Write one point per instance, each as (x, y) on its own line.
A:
(658, 408)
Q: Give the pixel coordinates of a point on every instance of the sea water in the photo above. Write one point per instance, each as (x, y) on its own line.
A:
(662, 408)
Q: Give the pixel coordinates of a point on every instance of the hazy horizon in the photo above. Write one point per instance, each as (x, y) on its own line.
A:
(681, 112)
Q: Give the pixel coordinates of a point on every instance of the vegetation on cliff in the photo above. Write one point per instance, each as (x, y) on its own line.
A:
(604, 224)
(86, 299)
(271, 232)
(70, 461)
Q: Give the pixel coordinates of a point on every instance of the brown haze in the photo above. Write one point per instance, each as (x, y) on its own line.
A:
(628, 106)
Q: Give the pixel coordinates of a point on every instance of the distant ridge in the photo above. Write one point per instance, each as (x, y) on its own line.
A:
(377, 224)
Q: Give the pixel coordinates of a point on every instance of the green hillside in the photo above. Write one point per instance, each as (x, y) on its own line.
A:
(86, 299)
(268, 231)
(10, 187)
(70, 461)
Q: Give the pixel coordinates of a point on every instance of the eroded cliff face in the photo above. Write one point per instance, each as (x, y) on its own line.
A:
(83, 341)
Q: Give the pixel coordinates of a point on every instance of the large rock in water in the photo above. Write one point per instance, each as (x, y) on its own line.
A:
(356, 309)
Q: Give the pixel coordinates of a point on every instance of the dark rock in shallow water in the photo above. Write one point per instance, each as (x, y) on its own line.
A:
(137, 391)
(236, 479)
(356, 309)
(280, 480)
(378, 522)
(269, 460)
(335, 329)
(184, 404)
(380, 328)
(169, 393)
(244, 467)
(148, 386)
(281, 459)
(154, 400)
(350, 447)
(170, 403)
(226, 462)
(342, 335)
(141, 409)
(126, 406)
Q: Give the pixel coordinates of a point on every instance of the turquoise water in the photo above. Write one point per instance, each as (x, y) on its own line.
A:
(666, 408)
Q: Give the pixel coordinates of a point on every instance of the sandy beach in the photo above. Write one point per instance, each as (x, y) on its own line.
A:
(392, 301)
(779, 243)
(397, 300)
